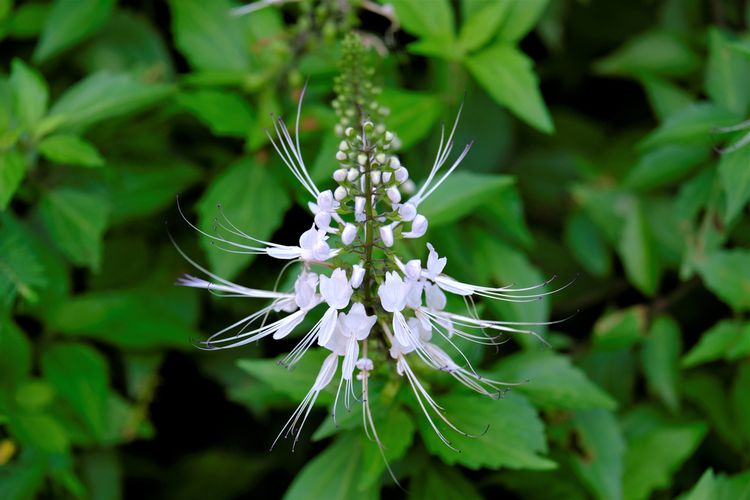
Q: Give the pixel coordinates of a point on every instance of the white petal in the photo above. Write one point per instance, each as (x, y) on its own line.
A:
(326, 373)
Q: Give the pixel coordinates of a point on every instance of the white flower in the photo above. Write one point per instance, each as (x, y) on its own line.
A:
(435, 264)
(434, 297)
(418, 227)
(386, 234)
(393, 292)
(349, 233)
(357, 323)
(413, 269)
(336, 290)
(358, 274)
(407, 212)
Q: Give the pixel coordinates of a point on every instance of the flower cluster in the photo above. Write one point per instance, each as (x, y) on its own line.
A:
(353, 279)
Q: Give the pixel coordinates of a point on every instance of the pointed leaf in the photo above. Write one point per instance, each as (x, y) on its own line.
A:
(69, 22)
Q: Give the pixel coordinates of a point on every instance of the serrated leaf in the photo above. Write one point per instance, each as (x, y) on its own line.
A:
(75, 221)
(508, 77)
(601, 462)
(727, 274)
(734, 174)
(435, 22)
(514, 439)
(651, 53)
(12, 172)
(727, 73)
(224, 112)
(461, 194)
(102, 96)
(69, 22)
(520, 17)
(253, 199)
(551, 382)
(660, 360)
(68, 149)
(21, 271)
(30, 93)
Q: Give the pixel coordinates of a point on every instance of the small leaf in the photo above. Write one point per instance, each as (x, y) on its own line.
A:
(705, 489)
(507, 75)
(433, 22)
(15, 354)
(734, 174)
(69, 22)
(724, 340)
(638, 251)
(412, 114)
(30, 93)
(727, 73)
(514, 439)
(69, 149)
(75, 221)
(741, 403)
(600, 464)
(665, 97)
(551, 382)
(650, 53)
(587, 244)
(660, 360)
(482, 25)
(225, 113)
(620, 328)
(435, 480)
(727, 274)
(692, 125)
(255, 202)
(520, 17)
(12, 172)
(21, 271)
(664, 165)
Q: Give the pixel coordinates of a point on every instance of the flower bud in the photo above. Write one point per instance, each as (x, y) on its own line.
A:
(375, 175)
(339, 175)
(386, 234)
(389, 136)
(325, 200)
(380, 158)
(387, 177)
(340, 193)
(359, 204)
(349, 132)
(395, 163)
(344, 146)
(340, 156)
(418, 227)
(413, 269)
(408, 187)
(352, 175)
(401, 175)
(361, 158)
(393, 194)
(348, 234)
(358, 274)
(364, 364)
(407, 211)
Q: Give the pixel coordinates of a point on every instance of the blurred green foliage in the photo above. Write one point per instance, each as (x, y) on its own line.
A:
(635, 176)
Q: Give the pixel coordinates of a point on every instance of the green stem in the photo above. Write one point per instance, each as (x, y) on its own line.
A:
(369, 232)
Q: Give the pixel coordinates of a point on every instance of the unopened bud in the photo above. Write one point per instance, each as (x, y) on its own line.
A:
(393, 194)
(358, 274)
(407, 212)
(359, 204)
(361, 158)
(408, 187)
(340, 156)
(352, 175)
(344, 146)
(375, 176)
(325, 200)
(339, 175)
(389, 136)
(348, 234)
(386, 234)
(380, 158)
(340, 193)
(418, 227)
(387, 177)
(401, 174)
(349, 132)
(395, 162)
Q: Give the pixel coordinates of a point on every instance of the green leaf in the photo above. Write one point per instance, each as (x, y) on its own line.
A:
(666, 98)
(660, 360)
(507, 75)
(75, 221)
(514, 439)
(656, 453)
(21, 271)
(253, 199)
(600, 462)
(741, 403)
(12, 172)
(727, 73)
(69, 22)
(710, 396)
(727, 274)
(15, 354)
(693, 124)
(225, 113)
(505, 214)
(651, 53)
(724, 340)
(30, 93)
(620, 328)
(734, 174)
(482, 25)
(103, 96)
(70, 149)
(396, 433)
(551, 382)
(80, 376)
(461, 194)
(520, 17)
(705, 489)
(665, 164)
(334, 473)
(412, 114)
(39, 431)
(28, 20)
(438, 481)
(587, 245)
(208, 35)
(433, 22)
(638, 251)
(22, 480)
(129, 318)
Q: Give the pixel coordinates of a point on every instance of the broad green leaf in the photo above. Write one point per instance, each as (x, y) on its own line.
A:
(666, 98)
(727, 73)
(225, 113)
(480, 26)
(514, 438)
(69, 22)
(664, 165)
(620, 328)
(551, 382)
(638, 251)
(143, 189)
(734, 174)
(656, 452)
(15, 354)
(735, 487)
(660, 360)
(727, 274)
(102, 96)
(705, 489)
(614, 370)
(80, 376)
(435, 480)
(28, 20)
(75, 220)
(586, 244)
(412, 114)
(30, 93)
(396, 433)
(21, 271)
(461, 194)
(102, 473)
(253, 199)
(22, 480)
(129, 318)
(725, 340)
(651, 53)
(334, 473)
(504, 213)
(39, 431)
(692, 125)
(433, 22)
(709, 394)
(208, 35)
(602, 450)
(12, 172)
(507, 75)
(70, 149)
(520, 17)
(740, 401)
